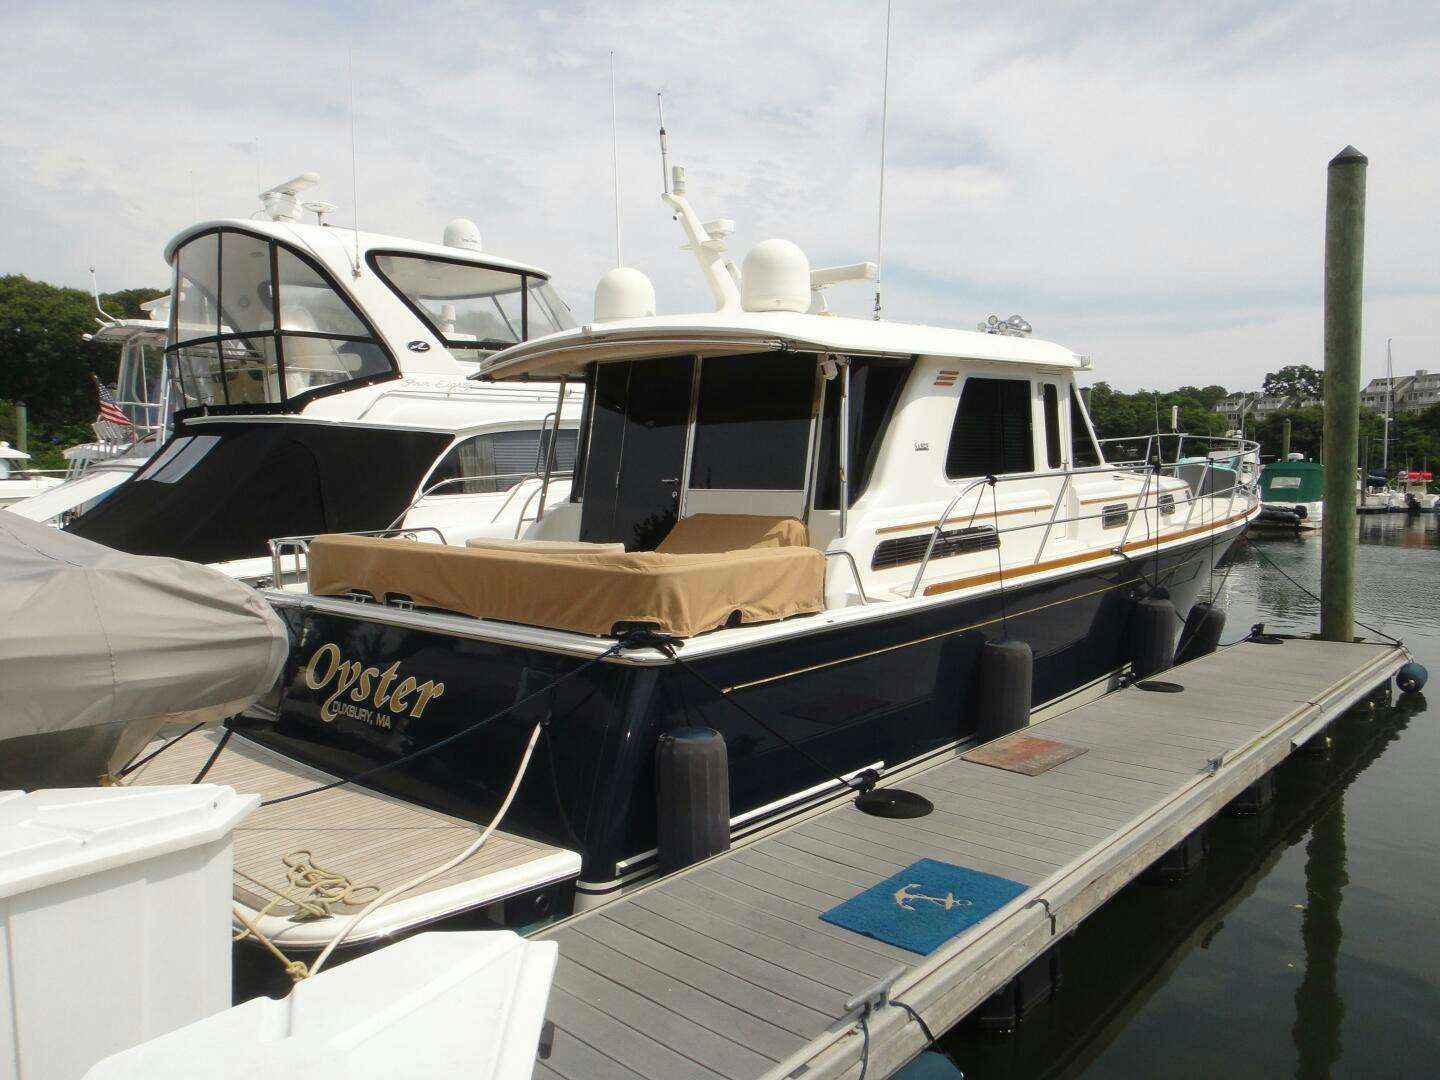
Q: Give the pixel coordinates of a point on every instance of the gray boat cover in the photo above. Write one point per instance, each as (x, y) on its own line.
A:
(107, 648)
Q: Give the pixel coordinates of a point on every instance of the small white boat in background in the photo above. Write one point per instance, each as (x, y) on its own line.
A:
(112, 649)
(142, 394)
(18, 482)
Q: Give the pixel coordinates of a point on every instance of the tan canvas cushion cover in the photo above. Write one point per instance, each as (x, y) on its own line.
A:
(709, 533)
(589, 594)
(554, 547)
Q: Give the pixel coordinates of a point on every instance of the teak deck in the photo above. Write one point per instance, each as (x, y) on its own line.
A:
(725, 970)
(372, 840)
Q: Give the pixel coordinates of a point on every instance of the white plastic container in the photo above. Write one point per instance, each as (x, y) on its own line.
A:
(432, 1007)
(114, 920)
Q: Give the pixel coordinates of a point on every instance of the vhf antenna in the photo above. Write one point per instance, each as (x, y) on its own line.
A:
(664, 148)
(615, 159)
(884, 121)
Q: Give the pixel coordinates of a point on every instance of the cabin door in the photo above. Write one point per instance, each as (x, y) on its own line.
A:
(637, 451)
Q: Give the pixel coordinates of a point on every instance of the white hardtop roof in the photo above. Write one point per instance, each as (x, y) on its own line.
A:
(568, 351)
(309, 235)
(123, 330)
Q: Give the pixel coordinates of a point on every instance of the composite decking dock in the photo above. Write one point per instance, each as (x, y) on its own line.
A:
(726, 970)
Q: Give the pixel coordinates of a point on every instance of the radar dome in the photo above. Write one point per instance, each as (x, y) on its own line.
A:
(775, 277)
(623, 293)
(463, 233)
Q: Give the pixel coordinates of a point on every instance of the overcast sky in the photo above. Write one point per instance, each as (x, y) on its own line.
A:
(1144, 182)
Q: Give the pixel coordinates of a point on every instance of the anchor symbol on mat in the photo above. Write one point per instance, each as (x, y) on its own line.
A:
(905, 898)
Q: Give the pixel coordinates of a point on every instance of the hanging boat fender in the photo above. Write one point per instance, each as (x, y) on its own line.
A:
(692, 796)
(1005, 677)
(1152, 635)
(1201, 636)
(1411, 678)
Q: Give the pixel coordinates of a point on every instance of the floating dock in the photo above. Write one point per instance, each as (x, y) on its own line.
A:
(726, 969)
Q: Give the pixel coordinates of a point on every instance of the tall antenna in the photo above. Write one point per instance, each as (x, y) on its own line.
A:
(354, 179)
(884, 122)
(664, 149)
(615, 159)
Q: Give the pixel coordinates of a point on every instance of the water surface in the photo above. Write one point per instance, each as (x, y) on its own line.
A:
(1306, 944)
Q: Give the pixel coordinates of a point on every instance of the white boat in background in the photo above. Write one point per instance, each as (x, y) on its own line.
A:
(16, 481)
(323, 380)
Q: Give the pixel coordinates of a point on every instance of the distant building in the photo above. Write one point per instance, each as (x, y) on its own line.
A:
(1233, 407)
(1272, 403)
(1422, 392)
(1377, 391)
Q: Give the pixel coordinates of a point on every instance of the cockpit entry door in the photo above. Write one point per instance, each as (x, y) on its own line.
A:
(637, 451)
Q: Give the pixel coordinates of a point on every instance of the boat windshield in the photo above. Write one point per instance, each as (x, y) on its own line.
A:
(255, 323)
(474, 307)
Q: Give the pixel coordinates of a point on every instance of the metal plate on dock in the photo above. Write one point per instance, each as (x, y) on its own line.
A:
(1029, 755)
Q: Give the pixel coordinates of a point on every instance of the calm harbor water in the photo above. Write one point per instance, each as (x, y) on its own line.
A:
(1306, 945)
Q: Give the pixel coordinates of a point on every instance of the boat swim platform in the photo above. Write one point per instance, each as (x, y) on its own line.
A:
(373, 841)
(725, 969)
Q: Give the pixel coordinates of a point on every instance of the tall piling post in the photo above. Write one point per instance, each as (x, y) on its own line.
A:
(22, 426)
(1285, 440)
(1344, 288)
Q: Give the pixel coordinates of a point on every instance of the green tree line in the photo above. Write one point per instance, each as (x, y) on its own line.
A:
(1414, 437)
(46, 363)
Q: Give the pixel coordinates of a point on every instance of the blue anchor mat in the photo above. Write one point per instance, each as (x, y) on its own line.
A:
(924, 905)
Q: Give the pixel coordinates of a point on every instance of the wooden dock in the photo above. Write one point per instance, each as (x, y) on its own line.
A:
(373, 841)
(726, 970)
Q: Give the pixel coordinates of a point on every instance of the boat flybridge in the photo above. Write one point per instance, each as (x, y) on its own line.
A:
(94, 469)
(320, 378)
(794, 529)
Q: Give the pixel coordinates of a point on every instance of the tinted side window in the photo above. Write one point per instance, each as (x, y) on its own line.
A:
(1053, 455)
(993, 431)
(752, 422)
(875, 387)
(1083, 452)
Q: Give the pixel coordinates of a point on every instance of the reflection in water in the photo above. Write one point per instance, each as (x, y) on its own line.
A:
(1211, 976)
(1318, 1008)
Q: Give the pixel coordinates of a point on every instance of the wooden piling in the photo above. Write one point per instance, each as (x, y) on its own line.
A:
(1344, 286)
(1285, 440)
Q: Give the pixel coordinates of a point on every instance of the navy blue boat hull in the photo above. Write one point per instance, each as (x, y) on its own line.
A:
(890, 690)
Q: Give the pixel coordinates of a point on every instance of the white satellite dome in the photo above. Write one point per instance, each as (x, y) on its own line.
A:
(775, 277)
(463, 233)
(623, 293)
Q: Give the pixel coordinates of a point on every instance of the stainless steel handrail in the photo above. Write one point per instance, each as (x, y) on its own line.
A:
(1237, 450)
(300, 545)
(854, 570)
(519, 478)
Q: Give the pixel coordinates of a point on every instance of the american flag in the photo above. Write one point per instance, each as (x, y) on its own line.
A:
(109, 410)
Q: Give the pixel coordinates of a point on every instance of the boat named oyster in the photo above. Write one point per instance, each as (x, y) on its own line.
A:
(793, 528)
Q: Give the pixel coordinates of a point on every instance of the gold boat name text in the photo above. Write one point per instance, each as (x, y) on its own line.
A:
(326, 668)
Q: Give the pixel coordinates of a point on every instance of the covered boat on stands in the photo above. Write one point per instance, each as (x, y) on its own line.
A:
(104, 650)
(794, 529)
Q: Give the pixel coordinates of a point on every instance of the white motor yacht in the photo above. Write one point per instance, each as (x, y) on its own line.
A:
(320, 379)
(796, 530)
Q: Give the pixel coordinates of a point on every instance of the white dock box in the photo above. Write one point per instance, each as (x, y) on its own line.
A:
(436, 1006)
(114, 920)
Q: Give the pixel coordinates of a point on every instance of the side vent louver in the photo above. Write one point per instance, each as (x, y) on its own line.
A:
(1114, 516)
(911, 549)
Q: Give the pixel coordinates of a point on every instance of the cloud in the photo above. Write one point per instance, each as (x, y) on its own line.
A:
(1143, 182)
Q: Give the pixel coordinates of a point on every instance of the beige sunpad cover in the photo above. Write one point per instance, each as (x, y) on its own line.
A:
(709, 533)
(679, 594)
